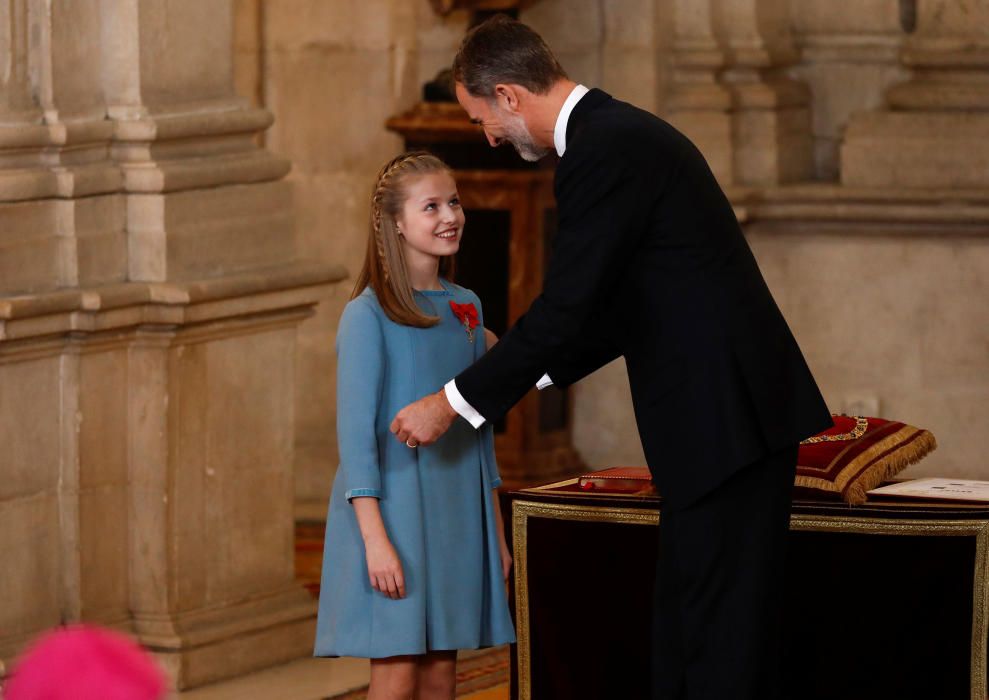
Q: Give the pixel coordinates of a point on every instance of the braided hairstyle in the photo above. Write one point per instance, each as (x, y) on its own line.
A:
(384, 263)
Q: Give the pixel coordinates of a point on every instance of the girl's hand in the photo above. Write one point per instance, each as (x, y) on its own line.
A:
(384, 568)
(506, 557)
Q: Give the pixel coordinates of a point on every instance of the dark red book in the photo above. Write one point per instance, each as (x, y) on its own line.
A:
(623, 479)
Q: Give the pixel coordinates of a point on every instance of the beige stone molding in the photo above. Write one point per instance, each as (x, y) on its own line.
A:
(841, 48)
(949, 56)
(958, 81)
(958, 211)
(698, 104)
(198, 119)
(932, 131)
(179, 150)
(848, 61)
(771, 117)
(56, 160)
(197, 641)
(130, 304)
(731, 94)
(30, 135)
(163, 153)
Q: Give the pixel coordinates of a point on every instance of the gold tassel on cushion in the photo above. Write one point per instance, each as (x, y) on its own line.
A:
(888, 466)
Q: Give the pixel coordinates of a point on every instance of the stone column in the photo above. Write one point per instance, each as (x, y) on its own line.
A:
(699, 104)
(771, 127)
(848, 59)
(149, 296)
(61, 227)
(53, 154)
(933, 130)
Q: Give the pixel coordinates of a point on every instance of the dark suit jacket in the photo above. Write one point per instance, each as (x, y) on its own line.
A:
(649, 262)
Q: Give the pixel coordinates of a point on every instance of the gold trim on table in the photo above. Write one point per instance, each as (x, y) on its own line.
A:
(522, 510)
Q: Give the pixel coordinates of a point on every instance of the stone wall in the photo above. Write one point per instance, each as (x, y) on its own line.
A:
(887, 312)
(150, 290)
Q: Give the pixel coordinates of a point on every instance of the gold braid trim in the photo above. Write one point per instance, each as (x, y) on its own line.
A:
(861, 425)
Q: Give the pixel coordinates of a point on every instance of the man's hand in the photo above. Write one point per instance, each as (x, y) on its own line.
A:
(425, 421)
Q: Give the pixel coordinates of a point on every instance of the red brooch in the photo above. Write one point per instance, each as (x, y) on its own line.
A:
(467, 315)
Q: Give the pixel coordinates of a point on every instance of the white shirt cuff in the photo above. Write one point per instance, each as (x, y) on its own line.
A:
(544, 381)
(461, 406)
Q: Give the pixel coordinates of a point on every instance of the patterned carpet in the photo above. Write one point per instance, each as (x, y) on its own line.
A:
(481, 677)
(309, 553)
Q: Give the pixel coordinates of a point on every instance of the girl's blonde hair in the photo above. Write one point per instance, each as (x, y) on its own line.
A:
(384, 264)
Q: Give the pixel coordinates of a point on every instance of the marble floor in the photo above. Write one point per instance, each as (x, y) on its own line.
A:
(303, 679)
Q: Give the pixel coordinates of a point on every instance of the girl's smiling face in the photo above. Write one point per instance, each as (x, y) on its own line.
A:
(432, 220)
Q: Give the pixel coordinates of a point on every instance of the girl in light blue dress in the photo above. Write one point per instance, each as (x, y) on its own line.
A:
(415, 558)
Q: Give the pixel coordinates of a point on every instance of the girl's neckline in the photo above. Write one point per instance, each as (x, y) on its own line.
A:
(436, 292)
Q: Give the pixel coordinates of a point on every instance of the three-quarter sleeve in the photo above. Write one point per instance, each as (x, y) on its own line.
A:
(487, 429)
(360, 380)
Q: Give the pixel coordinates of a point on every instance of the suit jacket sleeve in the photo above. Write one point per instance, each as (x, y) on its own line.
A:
(597, 345)
(605, 196)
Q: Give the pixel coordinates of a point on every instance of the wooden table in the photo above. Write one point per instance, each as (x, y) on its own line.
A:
(885, 600)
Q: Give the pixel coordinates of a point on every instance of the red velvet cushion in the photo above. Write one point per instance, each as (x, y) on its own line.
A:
(858, 454)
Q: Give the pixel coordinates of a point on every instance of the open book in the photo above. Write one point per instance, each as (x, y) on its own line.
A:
(942, 489)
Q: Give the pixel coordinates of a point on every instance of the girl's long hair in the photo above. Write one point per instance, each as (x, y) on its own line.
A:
(384, 263)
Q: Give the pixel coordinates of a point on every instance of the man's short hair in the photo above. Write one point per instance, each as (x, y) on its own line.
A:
(503, 50)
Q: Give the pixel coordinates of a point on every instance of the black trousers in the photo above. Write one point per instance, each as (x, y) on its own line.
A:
(717, 627)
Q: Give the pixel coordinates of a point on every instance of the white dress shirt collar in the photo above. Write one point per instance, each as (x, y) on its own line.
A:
(560, 131)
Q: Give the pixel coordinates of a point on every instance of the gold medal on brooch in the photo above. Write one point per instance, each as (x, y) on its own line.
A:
(467, 315)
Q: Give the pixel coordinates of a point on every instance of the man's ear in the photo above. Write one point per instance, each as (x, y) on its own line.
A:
(508, 96)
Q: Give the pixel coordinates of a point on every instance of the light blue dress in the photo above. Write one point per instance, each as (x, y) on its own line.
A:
(435, 500)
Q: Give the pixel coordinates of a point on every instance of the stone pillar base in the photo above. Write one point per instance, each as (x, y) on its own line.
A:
(711, 132)
(773, 146)
(771, 130)
(204, 646)
(917, 149)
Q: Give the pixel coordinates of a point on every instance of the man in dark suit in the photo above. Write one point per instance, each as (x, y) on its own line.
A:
(650, 263)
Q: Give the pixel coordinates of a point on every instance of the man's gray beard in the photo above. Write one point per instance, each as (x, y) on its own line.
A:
(517, 135)
(529, 151)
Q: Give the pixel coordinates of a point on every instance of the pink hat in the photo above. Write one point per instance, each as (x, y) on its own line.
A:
(83, 662)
